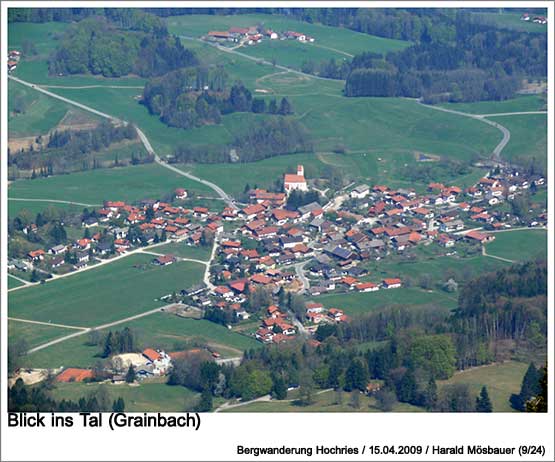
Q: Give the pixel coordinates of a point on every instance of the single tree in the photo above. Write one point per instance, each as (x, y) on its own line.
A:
(483, 403)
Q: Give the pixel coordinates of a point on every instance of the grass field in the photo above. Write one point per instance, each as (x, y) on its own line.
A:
(147, 397)
(41, 35)
(40, 114)
(181, 249)
(159, 330)
(33, 207)
(345, 40)
(356, 303)
(509, 20)
(120, 289)
(167, 331)
(13, 282)
(94, 186)
(34, 334)
(528, 136)
(324, 402)
(518, 104)
(501, 380)
(438, 268)
(519, 245)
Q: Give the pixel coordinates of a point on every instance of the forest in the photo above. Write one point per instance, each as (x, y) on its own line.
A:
(117, 46)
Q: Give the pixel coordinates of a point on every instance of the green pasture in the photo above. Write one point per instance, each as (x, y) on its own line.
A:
(149, 396)
(97, 296)
(522, 103)
(502, 380)
(355, 303)
(13, 282)
(42, 35)
(528, 137)
(40, 112)
(94, 186)
(519, 245)
(181, 249)
(34, 334)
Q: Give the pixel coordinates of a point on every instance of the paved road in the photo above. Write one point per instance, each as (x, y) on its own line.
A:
(299, 269)
(20, 280)
(53, 201)
(142, 137)
(499, 114)
(202, 262)
(159, 161)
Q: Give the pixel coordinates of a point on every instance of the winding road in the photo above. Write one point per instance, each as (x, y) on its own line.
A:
(496, 153)
(142, 137)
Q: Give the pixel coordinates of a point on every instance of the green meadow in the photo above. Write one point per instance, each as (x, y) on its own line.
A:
(94, 186)
(39, 113)
(181, 249)
(522, 103)
(502, 380)
(123, 288)
(34, 207)
(519, 245)
(149, 396)
(357, 303)
(13, 282)
(528, 137)
(34, 334)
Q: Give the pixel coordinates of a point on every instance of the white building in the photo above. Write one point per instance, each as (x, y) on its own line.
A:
(295, 182)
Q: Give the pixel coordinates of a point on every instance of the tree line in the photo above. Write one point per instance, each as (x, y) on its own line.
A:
(66, 151)
(262, 139)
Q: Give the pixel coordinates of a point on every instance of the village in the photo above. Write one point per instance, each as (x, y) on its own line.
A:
(266, 250)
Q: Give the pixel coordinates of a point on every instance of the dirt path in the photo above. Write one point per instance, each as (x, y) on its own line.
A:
(84, 87)
(84, 330)
(20, 280)
(56, 201)
(485, 254)
(51, 324)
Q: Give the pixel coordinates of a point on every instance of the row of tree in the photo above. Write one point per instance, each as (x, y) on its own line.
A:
(262, 139)
(73, 150)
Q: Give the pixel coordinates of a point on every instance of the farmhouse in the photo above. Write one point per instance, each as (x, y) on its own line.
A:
(480, 237)
(391, 283)
(164, 260)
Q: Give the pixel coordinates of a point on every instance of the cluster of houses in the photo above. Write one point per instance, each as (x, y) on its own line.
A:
(110, 233)
(253, 35)
(149, 363)
(535, 19)
(311, 249)
(13, 60)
